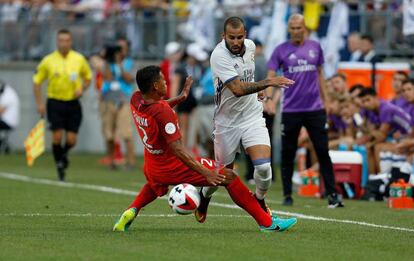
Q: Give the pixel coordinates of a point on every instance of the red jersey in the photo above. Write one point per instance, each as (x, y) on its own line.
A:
(157, 125)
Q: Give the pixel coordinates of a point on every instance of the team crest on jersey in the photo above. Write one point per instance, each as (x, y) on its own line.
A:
(312, 54)
(292, 56)
(236, 66)
(170, 128)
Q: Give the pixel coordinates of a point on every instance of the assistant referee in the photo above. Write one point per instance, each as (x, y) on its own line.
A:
(68, 75)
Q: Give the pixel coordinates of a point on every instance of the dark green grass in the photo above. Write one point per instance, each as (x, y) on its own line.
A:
(179, 237)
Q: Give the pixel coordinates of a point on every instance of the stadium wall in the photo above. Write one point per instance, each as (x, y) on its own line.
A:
(19, 76)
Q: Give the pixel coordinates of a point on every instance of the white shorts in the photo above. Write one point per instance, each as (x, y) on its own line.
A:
(227, 141)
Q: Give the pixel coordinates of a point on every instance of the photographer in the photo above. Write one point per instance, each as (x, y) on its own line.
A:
(116, 93)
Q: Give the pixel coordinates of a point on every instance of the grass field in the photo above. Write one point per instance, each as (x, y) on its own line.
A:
(41, 219)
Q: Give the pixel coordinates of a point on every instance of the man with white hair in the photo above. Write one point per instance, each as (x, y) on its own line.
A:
(301, 60)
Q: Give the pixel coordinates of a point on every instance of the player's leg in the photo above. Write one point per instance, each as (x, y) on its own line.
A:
(145, 196)
(256, 141)
(240, 195)
(125, 130)
(226, 145)
(57, 136)
(73, 119)
(260, 155)
(55, 117)
(315, 125)
(291, 125)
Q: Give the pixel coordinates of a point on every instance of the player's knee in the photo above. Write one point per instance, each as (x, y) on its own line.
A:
(263, 170)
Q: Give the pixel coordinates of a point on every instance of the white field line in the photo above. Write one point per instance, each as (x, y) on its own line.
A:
(133, 193)
(106, 215)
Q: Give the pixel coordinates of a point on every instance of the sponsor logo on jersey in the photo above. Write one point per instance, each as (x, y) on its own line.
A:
(292, 56)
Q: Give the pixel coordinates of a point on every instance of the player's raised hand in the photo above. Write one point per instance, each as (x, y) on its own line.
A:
(187, 87)
(280, 81)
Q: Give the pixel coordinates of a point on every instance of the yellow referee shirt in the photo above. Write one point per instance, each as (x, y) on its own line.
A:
(64, 74)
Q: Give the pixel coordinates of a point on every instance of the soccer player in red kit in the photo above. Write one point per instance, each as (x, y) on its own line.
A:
(166, 161)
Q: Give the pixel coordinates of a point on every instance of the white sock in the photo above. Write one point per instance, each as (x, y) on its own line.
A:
(208, 191)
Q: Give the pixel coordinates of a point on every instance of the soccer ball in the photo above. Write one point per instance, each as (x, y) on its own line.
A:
(184, 199)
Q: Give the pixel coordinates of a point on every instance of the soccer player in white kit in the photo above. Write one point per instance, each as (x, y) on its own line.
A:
(238, 119)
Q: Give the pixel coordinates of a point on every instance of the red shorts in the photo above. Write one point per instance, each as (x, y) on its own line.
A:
(159, 182)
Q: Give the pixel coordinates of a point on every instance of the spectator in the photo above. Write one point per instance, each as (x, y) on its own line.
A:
(339, 85)
(368, 53)
(354, 46)
(397, 81)
(68, 75)
(173, 55)
(383, 119)
(205, 111)
(354, 91)
(269, 106)
(189, 66)
(116, 92)
(9, 113)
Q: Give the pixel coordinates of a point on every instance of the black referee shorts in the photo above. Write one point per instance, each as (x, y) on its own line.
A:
(65, 115)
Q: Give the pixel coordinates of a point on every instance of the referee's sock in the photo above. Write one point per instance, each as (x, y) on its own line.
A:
(65, 151)
(57, 152)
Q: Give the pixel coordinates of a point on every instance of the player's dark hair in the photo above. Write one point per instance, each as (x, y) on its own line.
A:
(123, 38)
(340, 75)
(355, 87)
(146, 77)
(235, 22)
(368, 38)
(64, 31)
(403, 74)
(367, 92)
(408, 80)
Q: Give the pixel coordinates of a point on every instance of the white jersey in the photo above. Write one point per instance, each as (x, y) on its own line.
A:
(232, 111)
(10, 101)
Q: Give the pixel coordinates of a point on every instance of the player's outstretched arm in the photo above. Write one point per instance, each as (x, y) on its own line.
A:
(245, 88)
(180, 152)
(184, 93)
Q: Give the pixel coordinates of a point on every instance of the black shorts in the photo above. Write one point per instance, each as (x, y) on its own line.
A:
(65, 115)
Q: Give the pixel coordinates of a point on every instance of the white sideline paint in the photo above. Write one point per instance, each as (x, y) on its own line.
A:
(22, 178)
(106, 215)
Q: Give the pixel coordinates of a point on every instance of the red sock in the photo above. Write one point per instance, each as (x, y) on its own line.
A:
(241, 195)
(145, 196)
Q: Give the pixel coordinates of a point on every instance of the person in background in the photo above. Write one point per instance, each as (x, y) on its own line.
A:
(191, 65)
(304, 105)
(397, 80)
(339, 85)
(354, 46)
(269, 106)
(173, 55)
(69, 75)
(116, 92)
(9, 114)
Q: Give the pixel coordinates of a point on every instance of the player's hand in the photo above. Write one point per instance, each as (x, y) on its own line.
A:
(41, 109)
(270, 107)
(214, 178)
(78, 93)
(280, 81)
(261, 95)
(187, 87)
